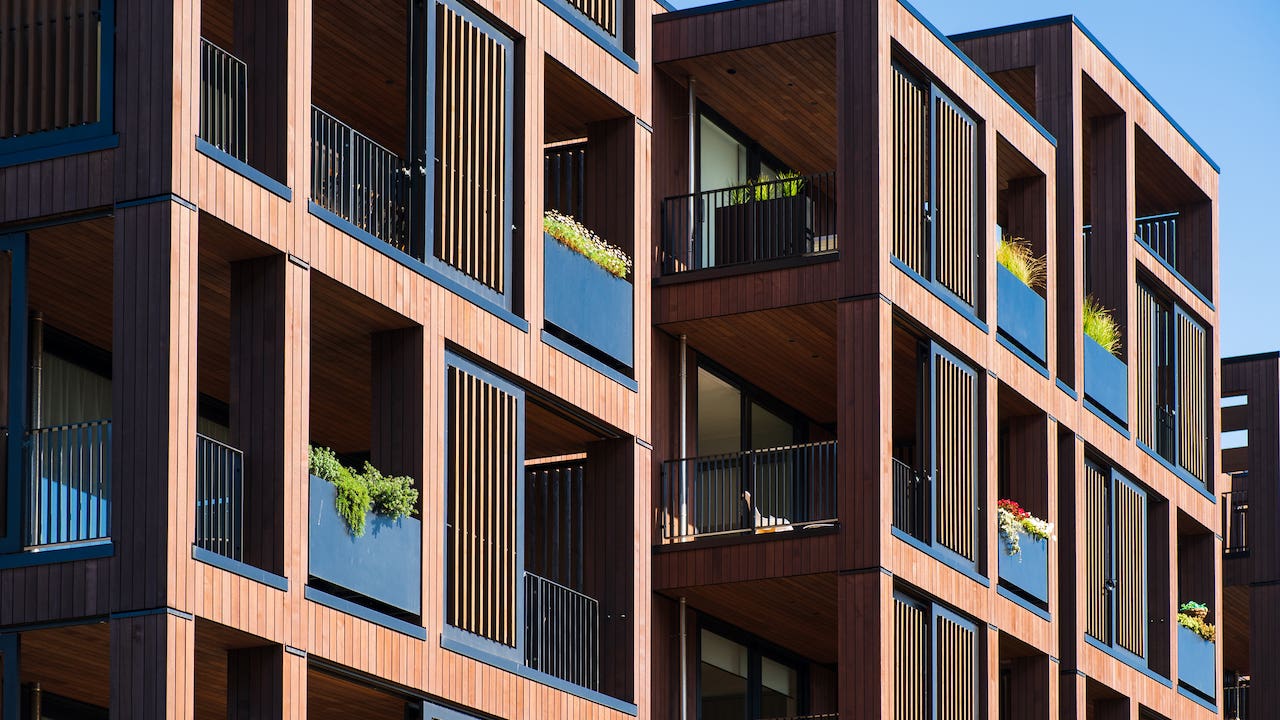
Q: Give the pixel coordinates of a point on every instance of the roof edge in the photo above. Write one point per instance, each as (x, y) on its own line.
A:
(1273, 355)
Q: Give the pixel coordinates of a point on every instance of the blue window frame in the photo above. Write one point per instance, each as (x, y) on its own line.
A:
(75, 137)
(937, 659)
(1122, 549)
(15, 246)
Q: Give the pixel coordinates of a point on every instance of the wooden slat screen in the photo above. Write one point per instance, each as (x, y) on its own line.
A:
(1097, 552)
(473, 146)
(956, 652)
(49, 65)
(955, 200)
(484, 508)
(955, 459)
(1146, 338)
(1193, 397)
(601, 12)
(1130, 517)
(910, 170)
(911, 660)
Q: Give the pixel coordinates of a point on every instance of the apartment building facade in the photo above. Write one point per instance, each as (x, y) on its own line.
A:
(855, 384)
(757, 477)
(233, 231)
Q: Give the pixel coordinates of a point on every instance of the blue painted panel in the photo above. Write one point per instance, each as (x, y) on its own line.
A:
(1020, 314)
(1028, 571)
(587, 301)
(1196, 662)
(1106, 380)
(385, 564)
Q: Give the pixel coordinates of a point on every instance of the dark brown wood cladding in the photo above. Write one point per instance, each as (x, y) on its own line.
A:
(49, 65)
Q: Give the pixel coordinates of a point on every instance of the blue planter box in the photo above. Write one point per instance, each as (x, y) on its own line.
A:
(1196, 662)
(1106, 380)
(1020, 314)
(1028, 571)
(384, 564)
(587, 301)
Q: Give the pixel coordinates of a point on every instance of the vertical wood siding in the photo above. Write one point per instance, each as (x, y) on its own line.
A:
(1145, 346)
(1193, 397)
(910, 660)
(602, 12)
(956, 650)
(483, 512)
(473, 130)
(1131, 567)
(1097, 555)
(49, 65)
(910, 170)
(955, 461)
(955, 200)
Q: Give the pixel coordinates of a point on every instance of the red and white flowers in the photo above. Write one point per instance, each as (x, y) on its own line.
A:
(1011, 518)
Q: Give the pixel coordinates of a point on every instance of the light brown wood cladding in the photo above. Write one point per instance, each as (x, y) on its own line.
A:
(483, 508)
(49, 65)
(910, 660)
(473, 122)
(910, 170)
(956, 461)
(1193, 397)
(956, 647)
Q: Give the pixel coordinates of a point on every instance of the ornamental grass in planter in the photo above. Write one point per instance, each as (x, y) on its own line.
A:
(365, 491)
(1017, 256)
(1012, 519)
(1101, 326)
(574, 235)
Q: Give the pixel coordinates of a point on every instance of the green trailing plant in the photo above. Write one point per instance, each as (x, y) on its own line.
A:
(359, 493)
(1017, 256)
(574, 235)
(1192, 615)
(1101, 326)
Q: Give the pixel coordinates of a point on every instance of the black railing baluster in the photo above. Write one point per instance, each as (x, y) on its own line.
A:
(561, 636)
(67, 490)
(359, 180)
(219, 498)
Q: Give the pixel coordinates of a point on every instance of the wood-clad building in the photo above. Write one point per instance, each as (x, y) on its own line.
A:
(847, 382)
(754, 475)
(234, 230)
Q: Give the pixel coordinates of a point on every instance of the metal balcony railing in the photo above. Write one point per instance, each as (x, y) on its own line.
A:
(219, 498)
(911, 501)
(755, 490)
(1160, 233)
(773, 220)
(562, 632)
(360, 181)
(564, 171)
(1235, 699)
(1235, 522)
(68, 484)
(224, 92)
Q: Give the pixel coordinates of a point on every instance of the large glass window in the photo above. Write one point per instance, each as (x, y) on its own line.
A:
(744, 681)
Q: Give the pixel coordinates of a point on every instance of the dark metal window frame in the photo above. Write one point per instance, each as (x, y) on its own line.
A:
(927, 415)
(1115, 478)
(757, 155)
(749, 394)
(757, 648)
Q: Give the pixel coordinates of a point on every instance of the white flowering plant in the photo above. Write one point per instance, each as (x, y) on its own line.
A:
(1010, 517)
(576, 236)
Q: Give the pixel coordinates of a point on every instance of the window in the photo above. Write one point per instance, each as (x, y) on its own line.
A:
(743, 680)
(935, 181)
(935, 662)
(474, 151)
(1116, 561)
(1172, 384)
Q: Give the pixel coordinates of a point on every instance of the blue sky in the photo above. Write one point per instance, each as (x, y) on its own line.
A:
(1210, 66)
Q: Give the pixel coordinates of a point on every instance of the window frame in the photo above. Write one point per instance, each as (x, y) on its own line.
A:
(931, 352)
(935, 612)
(757, 648)
(1111, 533)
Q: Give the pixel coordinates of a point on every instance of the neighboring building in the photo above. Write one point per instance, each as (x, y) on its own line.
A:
(232, 229)
(1250, 544)
(845, 382)
(756, 479)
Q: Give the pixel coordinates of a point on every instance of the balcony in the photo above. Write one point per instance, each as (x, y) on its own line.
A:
(1106, 381)
(755, 491)
(224, 114)
(760, 224)
(562, 632)
(68, 487)
(1235, 523)
(360, 182)
(1196, 663)
(1235, 699)
(219, 498)
(912, 497)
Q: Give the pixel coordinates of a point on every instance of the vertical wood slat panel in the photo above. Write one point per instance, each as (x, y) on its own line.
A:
(473, 131)
(1193, 397)
(1131, 567)
(49, 55)
(956, 650)
(956, 206)
(1145, 337)
(955, 471)
(910, 638)
(483, 512)
(1097, 620)
(910, 161)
